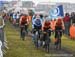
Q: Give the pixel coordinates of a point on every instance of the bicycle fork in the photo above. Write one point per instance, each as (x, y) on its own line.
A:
(58, 45)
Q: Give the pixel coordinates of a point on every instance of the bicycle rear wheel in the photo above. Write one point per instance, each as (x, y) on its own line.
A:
(47, 45)
(23, 36)
(59, 44)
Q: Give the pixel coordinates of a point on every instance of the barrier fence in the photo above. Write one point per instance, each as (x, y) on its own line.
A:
(3, 41)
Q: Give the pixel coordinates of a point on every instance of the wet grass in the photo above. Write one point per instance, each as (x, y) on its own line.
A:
(19, 48)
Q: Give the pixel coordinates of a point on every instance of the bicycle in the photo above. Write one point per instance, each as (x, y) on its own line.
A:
(47, 41)
(37, 38)
(23, 31)
(58, 39)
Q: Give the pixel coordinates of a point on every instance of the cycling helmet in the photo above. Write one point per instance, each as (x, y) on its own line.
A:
(47, 19)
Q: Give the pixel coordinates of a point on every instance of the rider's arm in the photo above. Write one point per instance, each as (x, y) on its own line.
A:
(63, 27)
(43, 25)
(50, 26)
(20, 20)
(33, 22)
(55, 24)
(27, 20)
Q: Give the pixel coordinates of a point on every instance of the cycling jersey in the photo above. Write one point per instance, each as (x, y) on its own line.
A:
(23, 20)
(59, 26)
(46, 25)
(37, 22)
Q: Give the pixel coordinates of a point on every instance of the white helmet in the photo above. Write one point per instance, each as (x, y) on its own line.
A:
(47, 19)
(37, 17)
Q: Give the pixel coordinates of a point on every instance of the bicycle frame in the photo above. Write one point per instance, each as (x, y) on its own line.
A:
(47, 42)
(36, 38)
(59, 39)
(23, 32)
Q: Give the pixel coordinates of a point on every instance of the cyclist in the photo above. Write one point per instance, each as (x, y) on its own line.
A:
(59, 26)
(46, 28)
(37, 23)
(36, 16)
(23, 23)
(37, 26)
(17, 17)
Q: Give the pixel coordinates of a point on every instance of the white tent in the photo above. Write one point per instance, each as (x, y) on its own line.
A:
(41, 12)
(24, 11)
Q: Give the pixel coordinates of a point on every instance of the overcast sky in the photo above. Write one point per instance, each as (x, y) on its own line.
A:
(36, 1)
(71, 1)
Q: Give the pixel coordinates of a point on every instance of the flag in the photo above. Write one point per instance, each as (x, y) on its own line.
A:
(1, 3)
(56, 12)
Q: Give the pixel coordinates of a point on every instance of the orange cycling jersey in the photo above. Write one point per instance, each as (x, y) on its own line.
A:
(46, 25)
(29, 18)
(59, 23)
(23, 20)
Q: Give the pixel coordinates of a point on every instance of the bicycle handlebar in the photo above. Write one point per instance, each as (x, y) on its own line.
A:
(59, 30)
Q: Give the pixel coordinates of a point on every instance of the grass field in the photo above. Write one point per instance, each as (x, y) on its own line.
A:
(18, 48)
(1, 22)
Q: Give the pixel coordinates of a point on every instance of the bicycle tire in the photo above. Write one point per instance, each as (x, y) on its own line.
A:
(59, 45)
(23, 36)
(36, 41)
(47, 45)
(48, 48)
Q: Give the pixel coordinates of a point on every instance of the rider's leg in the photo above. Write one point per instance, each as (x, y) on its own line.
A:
(26, 27)
(33, 33)
(56, 40)
(44, 38)
(60, 40)
(49, 32)
(21, 31)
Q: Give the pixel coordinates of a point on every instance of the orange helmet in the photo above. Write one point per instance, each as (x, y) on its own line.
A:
(59, 22)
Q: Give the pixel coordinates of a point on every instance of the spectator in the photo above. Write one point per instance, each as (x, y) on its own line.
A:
(72, 17)
(67, 23)
(17, 17)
